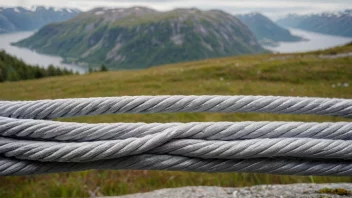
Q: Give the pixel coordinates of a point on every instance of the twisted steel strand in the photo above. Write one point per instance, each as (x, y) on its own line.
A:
(9, 166)
(63, 131)
(50, 109)
(152, 144)
(37, 146)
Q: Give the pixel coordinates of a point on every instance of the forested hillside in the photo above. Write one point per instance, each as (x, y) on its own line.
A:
(13, 69)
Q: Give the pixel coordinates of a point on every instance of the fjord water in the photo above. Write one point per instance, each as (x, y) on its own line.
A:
(30, 56)
(315, 41)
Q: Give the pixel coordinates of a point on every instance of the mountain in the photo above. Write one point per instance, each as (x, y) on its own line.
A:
(140, 37)
(22, 19)
(266, 30)
(13, 69)
(334, 23)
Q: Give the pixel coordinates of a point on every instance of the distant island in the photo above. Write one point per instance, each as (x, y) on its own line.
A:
(140, 37)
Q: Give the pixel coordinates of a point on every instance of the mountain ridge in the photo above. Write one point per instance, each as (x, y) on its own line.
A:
(266, 31)
(334, 23)
(24, 19)
(139, 37)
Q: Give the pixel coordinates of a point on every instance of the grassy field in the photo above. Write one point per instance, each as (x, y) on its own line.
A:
(281, 74)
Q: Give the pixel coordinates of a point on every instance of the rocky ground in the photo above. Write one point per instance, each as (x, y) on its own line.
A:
(274, 191)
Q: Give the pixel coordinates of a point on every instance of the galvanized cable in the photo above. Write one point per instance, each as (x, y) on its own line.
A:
(9, 166)
(49, 109)
(66, 131)
(153, 144)
(37, 146)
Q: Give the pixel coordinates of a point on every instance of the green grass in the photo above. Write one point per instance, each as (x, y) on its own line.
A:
(295, 75)
(336, 191)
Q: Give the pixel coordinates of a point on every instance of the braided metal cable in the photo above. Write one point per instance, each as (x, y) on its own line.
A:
(49, 109)
(292, 166)
(153, 144)
(31, 146)
(65, 131)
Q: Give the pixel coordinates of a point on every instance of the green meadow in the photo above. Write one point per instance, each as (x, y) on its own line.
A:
(307, 74)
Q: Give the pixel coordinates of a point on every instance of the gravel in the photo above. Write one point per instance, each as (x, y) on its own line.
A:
(274, 191)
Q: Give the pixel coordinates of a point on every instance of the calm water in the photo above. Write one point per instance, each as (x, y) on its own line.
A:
(316, 41)
(30, 56)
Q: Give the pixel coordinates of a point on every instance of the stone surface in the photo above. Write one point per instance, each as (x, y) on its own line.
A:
(274, 191)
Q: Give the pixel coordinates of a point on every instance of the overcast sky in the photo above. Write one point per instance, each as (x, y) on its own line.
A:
(272, 8)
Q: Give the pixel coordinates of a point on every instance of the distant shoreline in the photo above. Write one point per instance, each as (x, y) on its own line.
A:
(313, 41)
(33, 57)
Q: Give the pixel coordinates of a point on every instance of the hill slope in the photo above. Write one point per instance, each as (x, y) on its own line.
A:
(334, 23)
(13, 69)
(285, 74)
(266, 30)
(139, 37)
(22, 19)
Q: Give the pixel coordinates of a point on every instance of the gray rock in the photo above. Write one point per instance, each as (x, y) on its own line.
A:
(274, 191)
